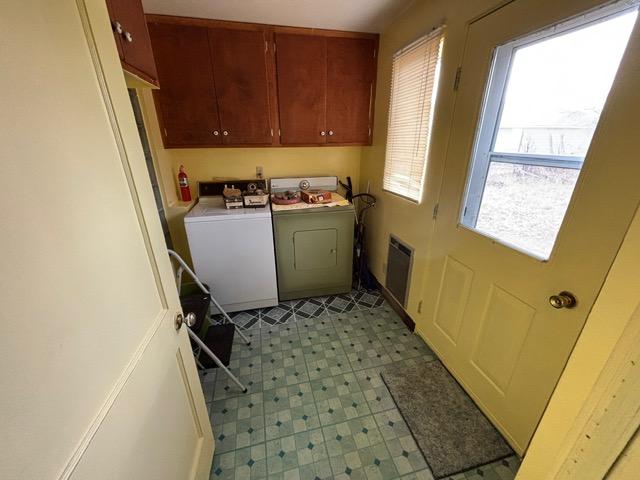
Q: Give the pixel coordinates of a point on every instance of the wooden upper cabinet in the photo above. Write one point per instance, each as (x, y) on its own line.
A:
(186, 102)
(302, 77)
(214, 84)
(350, 89)
(242, 86)
(326, 86)
(239, 84)
(132, 38)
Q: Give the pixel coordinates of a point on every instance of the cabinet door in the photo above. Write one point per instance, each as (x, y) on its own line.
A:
(116, 26)
(350, 84)
(301, 62)
(186, 101)
(136, 46)
(242, 86)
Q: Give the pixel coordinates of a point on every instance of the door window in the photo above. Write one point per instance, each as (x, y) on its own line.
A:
(542, 104)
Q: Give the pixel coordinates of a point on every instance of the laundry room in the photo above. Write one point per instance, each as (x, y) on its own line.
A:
(302, 240)
(292, 112)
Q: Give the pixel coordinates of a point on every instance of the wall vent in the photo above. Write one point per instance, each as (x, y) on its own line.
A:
(399, 261)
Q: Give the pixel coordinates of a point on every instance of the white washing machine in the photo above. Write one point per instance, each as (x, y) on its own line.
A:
(232, 250)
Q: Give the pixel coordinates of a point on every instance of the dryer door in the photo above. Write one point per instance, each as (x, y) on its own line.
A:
(315, 249)
(314, 252)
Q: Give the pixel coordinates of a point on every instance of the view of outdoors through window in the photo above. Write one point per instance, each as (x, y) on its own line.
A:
(555, 92)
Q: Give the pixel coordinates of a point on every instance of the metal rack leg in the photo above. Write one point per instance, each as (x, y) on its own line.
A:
(217, 361)
(228, 319)
(200, 365)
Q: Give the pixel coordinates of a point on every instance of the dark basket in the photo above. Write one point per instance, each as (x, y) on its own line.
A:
(219, 338)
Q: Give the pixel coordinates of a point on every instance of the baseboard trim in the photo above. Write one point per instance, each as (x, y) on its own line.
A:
(406, 319)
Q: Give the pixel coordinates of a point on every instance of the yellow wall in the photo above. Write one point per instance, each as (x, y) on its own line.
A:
(409, 221)
(206, 164)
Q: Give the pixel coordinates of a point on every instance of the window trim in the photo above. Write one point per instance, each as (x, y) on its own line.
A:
(493, 103)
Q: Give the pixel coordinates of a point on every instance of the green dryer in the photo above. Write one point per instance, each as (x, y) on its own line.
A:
(314, 249)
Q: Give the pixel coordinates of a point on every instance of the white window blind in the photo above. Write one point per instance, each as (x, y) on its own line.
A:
(414, 82)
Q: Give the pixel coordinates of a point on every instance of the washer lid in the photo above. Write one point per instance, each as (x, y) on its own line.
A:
(212, 209)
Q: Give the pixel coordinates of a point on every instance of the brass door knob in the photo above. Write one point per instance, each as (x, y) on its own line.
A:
(563, 300)
(178, 321)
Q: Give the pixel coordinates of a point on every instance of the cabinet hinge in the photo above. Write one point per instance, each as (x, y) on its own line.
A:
(272, 132)
(435, 210)
(456, 81)
(165, 132)
(369, 131)
(274, 47)
(375, 51)
(266, 46)
(279, 133)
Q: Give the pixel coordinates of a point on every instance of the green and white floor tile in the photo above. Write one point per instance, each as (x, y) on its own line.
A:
(316, 407)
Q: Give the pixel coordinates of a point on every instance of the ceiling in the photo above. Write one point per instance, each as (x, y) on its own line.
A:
(355, 15)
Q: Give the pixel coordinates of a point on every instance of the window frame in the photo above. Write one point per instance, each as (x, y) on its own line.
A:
(491, 112)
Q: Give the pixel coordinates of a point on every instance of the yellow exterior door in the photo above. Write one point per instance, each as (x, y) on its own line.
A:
(96, 381)
(487, 309)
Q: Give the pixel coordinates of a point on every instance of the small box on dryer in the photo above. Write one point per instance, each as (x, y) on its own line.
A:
(316, 196)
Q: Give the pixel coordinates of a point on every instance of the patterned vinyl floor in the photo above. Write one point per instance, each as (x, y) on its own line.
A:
(316, 407)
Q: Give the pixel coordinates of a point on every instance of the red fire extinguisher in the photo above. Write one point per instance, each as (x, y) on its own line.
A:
(183, 182)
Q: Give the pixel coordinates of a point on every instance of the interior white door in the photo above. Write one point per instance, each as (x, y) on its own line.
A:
(96, 382)
(488, 313)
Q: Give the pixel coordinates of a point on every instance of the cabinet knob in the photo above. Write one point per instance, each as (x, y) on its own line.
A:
(323, 133)
(225, 133)
(216, 132)
(117, 27)
(330, 132)
(128, 37)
